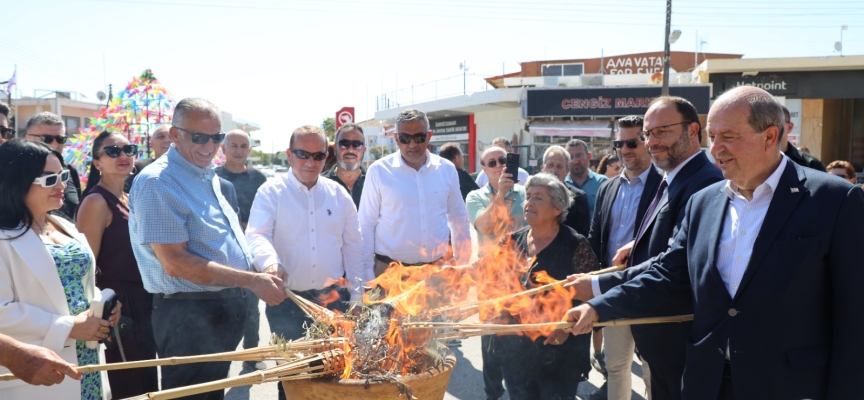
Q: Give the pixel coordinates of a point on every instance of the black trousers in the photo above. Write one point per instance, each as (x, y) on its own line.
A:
(253, 321)
(666, 381)
(194, 327)
(726, 384)
(492, 372)
(287, 319)
(138, 342)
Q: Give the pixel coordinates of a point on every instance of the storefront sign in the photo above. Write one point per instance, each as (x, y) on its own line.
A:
(776, 84)
(633, 65)
(344, 116)
(605, 102)
(449, 126)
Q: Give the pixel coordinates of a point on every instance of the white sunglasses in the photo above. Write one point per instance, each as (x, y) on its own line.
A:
(48, 181)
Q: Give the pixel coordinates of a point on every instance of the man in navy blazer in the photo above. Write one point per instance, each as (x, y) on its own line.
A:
(673, 134)
(770, 258)
(621, 204)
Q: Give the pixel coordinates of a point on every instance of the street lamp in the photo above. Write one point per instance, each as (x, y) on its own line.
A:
(669, 39)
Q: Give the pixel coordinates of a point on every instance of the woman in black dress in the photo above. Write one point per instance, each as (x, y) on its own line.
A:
(549, 367)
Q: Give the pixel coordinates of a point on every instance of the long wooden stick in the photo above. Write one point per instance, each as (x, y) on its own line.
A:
(468, 308)
(254, 354)
(463, 331)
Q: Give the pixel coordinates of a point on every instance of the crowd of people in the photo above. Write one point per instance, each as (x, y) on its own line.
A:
(758, 245)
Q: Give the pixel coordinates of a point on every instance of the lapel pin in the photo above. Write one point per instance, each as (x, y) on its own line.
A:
(794, 190)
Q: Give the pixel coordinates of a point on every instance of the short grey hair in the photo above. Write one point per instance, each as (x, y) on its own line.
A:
(501, 141)
(489, 150)
(562, 197)
(764, 110)
(413, 115)
(45, 118)
(556, 150)
(194, 105)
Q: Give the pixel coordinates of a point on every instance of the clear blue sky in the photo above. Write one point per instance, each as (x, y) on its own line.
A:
(289, 63)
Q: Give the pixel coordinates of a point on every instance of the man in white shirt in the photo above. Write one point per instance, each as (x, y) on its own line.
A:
(411, 210)
(305, 230)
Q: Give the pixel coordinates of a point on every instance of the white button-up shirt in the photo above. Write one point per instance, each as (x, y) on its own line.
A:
(313, 233)
(410, 215)
(741, 225)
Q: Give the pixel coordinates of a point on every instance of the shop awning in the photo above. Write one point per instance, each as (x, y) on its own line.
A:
(596, 128)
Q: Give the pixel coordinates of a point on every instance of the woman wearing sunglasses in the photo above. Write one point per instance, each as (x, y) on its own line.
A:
(103, 218)
(46, 271)
(610, 166)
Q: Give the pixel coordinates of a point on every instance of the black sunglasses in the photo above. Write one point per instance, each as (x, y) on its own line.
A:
(7, 133)
(48, 139)
(418, 138)
(631, 143)
(114, 151)
(494, 163)
(303, 154)
(355, 144)
(202, 138)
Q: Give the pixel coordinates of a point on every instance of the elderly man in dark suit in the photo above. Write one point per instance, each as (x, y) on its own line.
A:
(621, 203)
(672, 133)
(771, 260)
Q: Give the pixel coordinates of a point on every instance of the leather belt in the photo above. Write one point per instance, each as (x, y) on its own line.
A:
(388, 260)
(229, 293)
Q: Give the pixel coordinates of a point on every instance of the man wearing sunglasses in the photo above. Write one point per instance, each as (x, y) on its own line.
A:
(49, 128)
(505, 144)
(305, 226)
(672, 133)
(6, 133)
(191, 250)
(621, 203)
(348, 172)
(411, 206)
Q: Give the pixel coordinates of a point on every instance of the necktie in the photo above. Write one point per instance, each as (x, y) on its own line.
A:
(233, 220)
(645, 219)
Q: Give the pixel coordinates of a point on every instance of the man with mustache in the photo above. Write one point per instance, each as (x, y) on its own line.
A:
(350, 147)
(672, 133)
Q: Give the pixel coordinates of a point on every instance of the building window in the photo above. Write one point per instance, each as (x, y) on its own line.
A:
(563, 69)
(73, 124)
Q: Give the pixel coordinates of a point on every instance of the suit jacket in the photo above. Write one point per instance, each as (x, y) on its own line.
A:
(804, 159)
(795, 324)
(663, 344)
(33, 307)
(599, 236)
(578, 216)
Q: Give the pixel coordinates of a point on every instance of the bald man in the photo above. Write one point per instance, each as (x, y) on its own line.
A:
(160, 142)
(771, 259)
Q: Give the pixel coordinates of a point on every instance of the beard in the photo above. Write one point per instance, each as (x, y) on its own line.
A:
(348, 167)
(676, 154)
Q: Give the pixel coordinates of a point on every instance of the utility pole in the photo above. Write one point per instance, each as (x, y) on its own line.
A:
(665, 91)
(464, 68)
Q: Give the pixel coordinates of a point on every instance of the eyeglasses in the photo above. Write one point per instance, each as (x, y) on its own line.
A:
(615, 167)
(48, 181)
(303, 154)
(202, 138)
(418, 138)
(494, 163)
(48, 139)
(7, 133)
(658, 132)
(631, 143)
(355, 144)
(114, 151)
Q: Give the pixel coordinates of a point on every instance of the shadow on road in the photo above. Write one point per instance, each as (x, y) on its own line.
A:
(466, 381)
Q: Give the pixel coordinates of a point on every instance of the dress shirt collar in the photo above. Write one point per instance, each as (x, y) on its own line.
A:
(175, 158)
(671, 175)
(767, 187)
(295, 184)
(643, 177)
(399, 162)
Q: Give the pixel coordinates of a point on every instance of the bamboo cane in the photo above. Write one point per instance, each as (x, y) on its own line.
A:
(311, 309)
(463, 331)
(255, 354)
(331, 362)
(469, 308)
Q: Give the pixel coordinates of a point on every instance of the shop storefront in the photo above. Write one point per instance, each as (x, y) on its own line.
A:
(827, 107)
(558, 115)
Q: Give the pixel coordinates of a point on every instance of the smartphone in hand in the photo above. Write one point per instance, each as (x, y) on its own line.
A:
(513, 166)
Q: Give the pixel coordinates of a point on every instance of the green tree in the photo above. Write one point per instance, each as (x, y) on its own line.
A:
(379, 151)
(329, 127)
